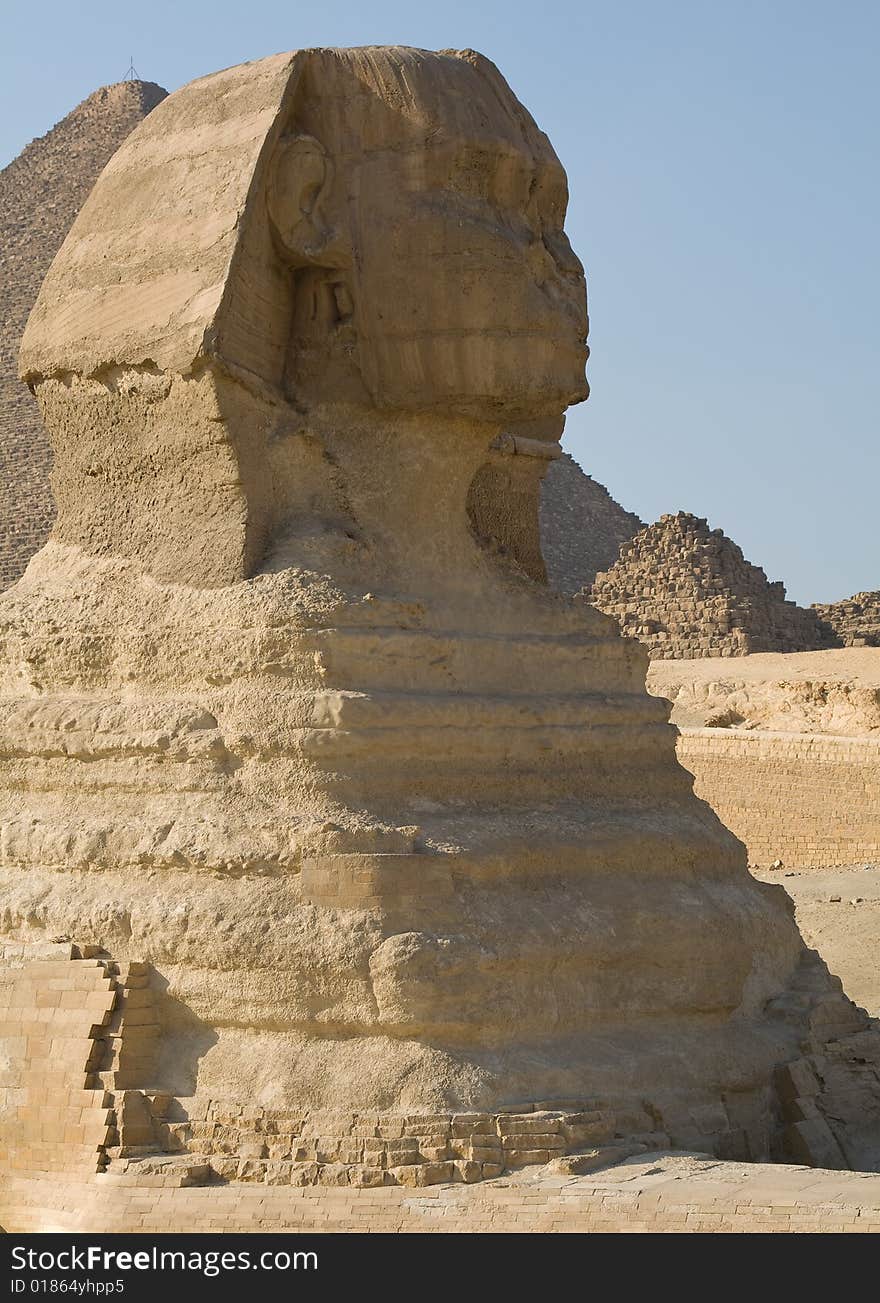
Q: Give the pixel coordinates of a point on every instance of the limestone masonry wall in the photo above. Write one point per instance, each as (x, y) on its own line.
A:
(41, 193)
(72, 1032)
(76, 1034)
(687, 591)
(280, 1147)
(806, 799)
(856, 620)
(51, 1117)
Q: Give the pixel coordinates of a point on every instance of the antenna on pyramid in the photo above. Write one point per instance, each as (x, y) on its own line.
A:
(132, 74)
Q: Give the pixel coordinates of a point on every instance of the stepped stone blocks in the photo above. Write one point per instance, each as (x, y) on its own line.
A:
(582, 527)
(250, 1143)
(53, 1118)
(856, 620)
(287, 713)
(41, 193)
(71, 1031)
(687, 591)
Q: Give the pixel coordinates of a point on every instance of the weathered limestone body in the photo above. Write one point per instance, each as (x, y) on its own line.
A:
(288, 714)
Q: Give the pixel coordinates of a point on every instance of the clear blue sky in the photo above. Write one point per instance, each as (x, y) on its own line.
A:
(724, 198)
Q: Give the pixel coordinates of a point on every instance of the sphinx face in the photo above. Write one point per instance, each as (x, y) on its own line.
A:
(466, 293)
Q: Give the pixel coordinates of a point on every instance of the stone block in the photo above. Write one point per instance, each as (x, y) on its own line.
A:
(801, 1110)
(366, 1177)
(797, 1080)
(529, 1124)
(278, 1173)
(538, 1140)
(397, 1157)
(594, 1160)
(467, 1171)
(525, 1157)
(710, 1119)
(429, 1124)
(225, 1167)
(304, 1174)
(468, 1124)
(333, 1174)
(812, 1142)
(251, 1169)
(422, 1174)
(434, 1153)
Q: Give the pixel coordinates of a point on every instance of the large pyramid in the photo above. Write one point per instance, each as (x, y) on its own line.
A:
(582, 527)
(687, 591)
(41, 193)
(856, 620)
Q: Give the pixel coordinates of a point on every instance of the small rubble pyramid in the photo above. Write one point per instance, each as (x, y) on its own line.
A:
(41, 193)
(855, 620)
(582, 527)
(686, 591)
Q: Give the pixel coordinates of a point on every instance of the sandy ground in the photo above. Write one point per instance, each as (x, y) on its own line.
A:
(862, 663)
(846, 935)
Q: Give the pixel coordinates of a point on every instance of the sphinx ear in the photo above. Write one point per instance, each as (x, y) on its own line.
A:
(298, 179)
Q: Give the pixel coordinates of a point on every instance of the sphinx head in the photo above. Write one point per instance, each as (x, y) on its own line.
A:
(421, 213)
(378, 229)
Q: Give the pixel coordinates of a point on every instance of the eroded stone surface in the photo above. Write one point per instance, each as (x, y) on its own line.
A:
(834, 692)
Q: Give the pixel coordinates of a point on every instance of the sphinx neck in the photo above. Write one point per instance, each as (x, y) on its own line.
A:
(435, 499)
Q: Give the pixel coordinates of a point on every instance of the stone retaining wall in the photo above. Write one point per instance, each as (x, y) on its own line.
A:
(277, 1148)
(809, 800)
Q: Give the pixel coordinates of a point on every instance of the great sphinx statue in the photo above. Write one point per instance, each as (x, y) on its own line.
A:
(289, 714)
